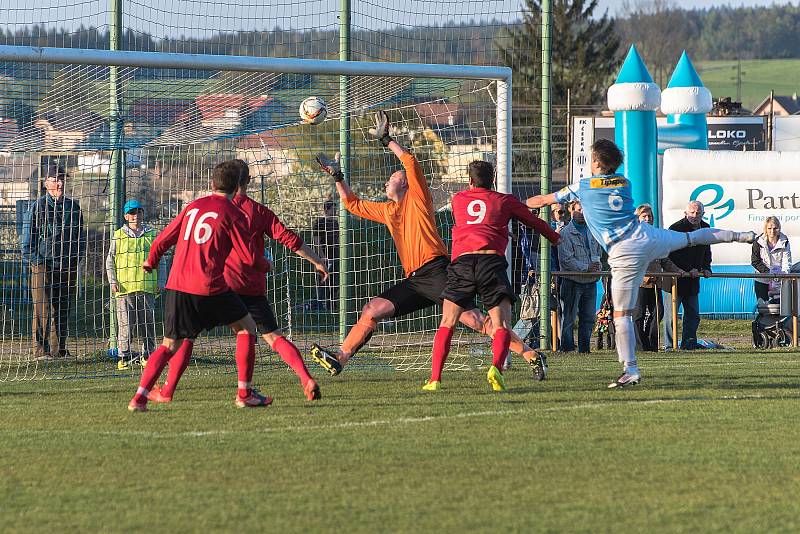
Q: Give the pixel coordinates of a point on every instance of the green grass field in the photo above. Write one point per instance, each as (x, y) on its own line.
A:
(759, 76)
(708, 442)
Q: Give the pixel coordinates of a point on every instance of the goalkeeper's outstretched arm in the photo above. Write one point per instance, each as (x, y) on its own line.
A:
(381, 132)
(374, 211)
(333, 167)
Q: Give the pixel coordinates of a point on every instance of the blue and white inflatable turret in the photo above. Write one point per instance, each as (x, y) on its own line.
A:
(634, 99)
(685, 102)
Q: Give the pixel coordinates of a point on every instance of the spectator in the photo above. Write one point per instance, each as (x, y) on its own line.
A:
(560, 216)
(696, 261)
(578, 251)
(53, 244)
(771, 254)
(135, 290)
(559, 219)
(650, 306)
(325, 238)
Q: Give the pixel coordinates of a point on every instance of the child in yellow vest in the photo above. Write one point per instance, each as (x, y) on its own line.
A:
(135, 290)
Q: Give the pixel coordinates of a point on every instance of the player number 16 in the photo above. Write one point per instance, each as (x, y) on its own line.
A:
(203, 230)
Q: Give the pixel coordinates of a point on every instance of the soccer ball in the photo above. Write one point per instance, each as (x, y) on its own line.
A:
(313, 110)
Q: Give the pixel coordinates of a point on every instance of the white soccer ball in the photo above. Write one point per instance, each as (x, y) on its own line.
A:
(313, 110)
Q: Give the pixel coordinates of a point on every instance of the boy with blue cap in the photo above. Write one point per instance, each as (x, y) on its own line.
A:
(134, 289)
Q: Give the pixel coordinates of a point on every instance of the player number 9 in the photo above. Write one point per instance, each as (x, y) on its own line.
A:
(477, 209)
(203, 230)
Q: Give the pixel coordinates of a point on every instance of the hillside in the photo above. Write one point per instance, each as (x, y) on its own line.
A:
(758, 78)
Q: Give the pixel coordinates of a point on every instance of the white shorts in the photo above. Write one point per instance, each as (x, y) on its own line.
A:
(630, 256)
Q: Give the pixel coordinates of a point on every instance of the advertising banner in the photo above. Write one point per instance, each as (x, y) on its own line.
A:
(724, 133)
(739, 191)
(786, 133)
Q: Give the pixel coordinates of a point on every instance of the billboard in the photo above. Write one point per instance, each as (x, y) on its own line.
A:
(739, 191)
(786, 133)
(724, 133)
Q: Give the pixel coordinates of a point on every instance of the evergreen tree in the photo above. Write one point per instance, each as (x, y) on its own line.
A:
(585, 52)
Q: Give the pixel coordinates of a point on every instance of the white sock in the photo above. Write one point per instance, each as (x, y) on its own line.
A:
(712, 236)
(626, 343)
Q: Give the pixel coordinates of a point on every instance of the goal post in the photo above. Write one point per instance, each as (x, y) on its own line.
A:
(172, 116)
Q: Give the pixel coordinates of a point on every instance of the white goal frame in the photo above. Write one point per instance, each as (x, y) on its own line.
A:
(502, 75)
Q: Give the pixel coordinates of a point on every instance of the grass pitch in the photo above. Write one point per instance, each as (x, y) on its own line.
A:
(708, 442)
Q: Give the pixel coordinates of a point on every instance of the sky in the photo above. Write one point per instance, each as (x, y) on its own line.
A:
(614, 5)
(204, 17)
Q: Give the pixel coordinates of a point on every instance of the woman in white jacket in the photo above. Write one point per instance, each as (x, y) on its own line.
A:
(771, 254)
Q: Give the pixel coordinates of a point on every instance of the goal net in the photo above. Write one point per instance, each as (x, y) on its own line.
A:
(172, 126)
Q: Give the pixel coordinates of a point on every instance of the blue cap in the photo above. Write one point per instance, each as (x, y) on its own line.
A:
(131, 205)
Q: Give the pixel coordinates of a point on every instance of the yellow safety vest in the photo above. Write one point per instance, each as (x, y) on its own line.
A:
(131, 252)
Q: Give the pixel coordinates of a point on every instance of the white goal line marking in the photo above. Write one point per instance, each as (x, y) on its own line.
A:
(382, 422)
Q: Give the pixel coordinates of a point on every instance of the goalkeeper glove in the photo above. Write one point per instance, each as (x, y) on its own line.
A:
(331, 165)
(381, 130)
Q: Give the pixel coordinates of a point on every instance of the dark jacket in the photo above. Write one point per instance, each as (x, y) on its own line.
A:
(697, 257)
(53, 233)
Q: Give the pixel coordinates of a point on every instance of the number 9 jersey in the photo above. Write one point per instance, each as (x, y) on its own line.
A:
(482, 218)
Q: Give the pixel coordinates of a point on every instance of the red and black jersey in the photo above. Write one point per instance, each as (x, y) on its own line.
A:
(482, 218)
(246, 279)
(204, 234)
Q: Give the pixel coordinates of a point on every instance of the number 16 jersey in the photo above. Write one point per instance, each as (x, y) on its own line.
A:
(482, 218)
(204, 234)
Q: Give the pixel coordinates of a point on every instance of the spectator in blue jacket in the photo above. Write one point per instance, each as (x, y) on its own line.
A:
(578, 251)
(53, 243)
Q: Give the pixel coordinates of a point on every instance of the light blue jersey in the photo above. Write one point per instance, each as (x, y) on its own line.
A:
(607, 205)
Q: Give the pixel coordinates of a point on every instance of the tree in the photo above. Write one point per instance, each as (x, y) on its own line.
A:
(585, 52)
(660, 31)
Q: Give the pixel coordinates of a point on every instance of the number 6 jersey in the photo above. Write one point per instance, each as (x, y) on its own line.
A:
(607, 204)
(204, 234)
(482, 218)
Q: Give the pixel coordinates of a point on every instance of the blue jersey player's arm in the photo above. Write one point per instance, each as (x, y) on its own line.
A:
(563, 195)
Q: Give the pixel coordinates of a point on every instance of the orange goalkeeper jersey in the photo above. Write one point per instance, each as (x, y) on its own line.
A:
(410, 221)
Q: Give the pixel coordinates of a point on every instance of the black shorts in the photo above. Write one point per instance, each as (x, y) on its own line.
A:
(484, 275)
(261, 311)
(186, 315)
(421, 290)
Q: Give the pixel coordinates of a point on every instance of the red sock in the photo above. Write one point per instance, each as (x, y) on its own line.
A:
(500, 343)
(155, 364)
(441, 348)
(177, 366)
(291, 356)
(245, 361)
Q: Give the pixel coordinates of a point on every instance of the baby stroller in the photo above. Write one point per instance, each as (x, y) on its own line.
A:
(604, 322)
(770, 329)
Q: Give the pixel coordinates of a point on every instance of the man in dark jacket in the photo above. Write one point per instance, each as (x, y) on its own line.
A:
(53, 243)
(697, 262)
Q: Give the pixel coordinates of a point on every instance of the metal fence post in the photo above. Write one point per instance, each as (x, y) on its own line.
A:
(116, 171)
(675, 313)
(344, 148)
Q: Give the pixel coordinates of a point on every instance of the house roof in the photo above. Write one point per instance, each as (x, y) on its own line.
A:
(439, 113)
(788, 102)
(158, 111)
(265, 140)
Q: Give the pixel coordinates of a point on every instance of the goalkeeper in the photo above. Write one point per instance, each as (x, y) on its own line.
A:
(409, 216)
